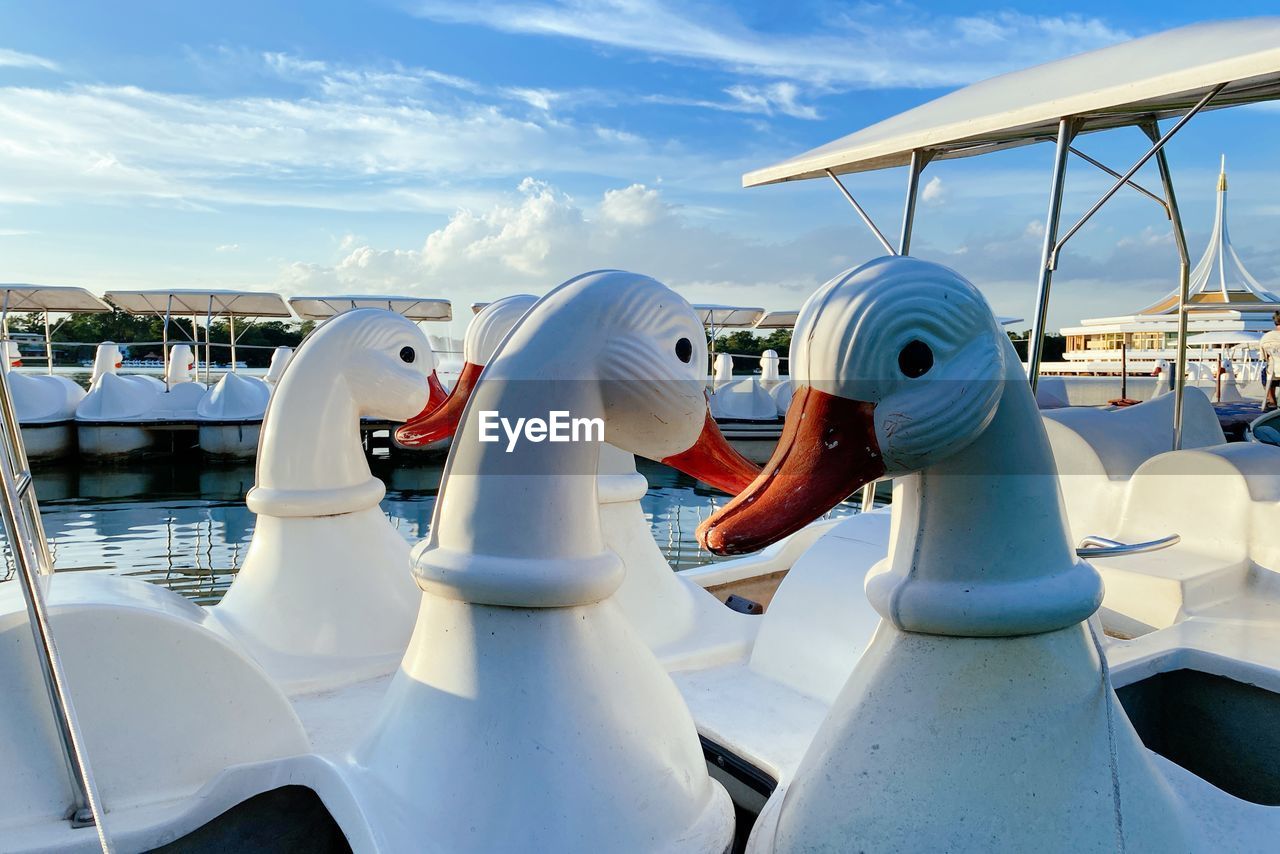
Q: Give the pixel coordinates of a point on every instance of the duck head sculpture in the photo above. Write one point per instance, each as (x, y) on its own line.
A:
(280, 358)
(485, 332)
(519, 601)
(363, 363)
(710, 459)
(325, 594)
(983, 669)
(106, 360)
(900, 369)
(181, 364)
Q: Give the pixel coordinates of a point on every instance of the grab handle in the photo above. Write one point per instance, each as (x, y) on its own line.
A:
(1103, 547)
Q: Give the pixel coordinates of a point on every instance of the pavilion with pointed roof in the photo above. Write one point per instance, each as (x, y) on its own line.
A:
(1223, 295)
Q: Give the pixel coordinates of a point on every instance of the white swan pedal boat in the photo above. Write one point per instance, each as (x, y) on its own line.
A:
(190, 410)
(45, 404)
(303, 650)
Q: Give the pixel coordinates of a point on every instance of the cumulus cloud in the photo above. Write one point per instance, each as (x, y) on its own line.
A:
(934, 193)
(227, 247)
(541, 236)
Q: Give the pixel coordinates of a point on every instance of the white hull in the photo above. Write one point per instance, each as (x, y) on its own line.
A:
(49, 441)
(112, 440)
(237, 441)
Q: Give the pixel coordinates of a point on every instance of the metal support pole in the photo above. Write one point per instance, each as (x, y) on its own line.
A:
(164, 341)
(1152, 129)
(1114, 174)
(1035, 346)
(195, 342)
(208, 346)
(877, 233)
(231, 324)
(1158, 143)
(919, 160)
(48, 343)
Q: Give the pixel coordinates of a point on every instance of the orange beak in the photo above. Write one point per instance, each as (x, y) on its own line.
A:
(713, 461)
(440, 419)
(828, 450)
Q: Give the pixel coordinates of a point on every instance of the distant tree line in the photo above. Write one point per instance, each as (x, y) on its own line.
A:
(88, 330)
(744, 342)
(1055, 346)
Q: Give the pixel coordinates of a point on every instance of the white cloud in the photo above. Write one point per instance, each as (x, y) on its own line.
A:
(543, 236)
(227, 247)
(17, 59)
(347, 147)
(776, 97)
(867, 46)
(636, 205)
(934, 193)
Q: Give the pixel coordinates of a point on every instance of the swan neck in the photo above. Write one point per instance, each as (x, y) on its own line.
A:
(517, 521)
(979, 543)
(310, 459)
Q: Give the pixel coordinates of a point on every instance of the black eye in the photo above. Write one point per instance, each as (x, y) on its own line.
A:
(407, 355)
(684, 350)
(915, 360)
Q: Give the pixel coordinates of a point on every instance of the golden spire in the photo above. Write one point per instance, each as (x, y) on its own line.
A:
(1222, 176)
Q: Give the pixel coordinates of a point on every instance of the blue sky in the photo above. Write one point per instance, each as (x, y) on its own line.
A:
(470, 150)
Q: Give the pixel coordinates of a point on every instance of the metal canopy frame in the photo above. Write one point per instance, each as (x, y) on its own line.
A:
(1068, 129)
(212, 304)
(45, 300)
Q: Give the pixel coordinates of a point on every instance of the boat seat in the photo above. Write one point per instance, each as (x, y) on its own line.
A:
(743, 399)
(1097, 450)
(809, 640)
(1222, 501)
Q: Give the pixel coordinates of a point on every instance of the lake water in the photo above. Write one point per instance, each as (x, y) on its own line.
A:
(182, 522)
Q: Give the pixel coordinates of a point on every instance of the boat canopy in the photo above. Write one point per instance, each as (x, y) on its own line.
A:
(1160, 76)
(190, 302)
(778, 319)
(728, 316)
(414, 308)
(19, 298)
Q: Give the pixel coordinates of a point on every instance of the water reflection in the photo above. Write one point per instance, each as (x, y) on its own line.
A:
(183, 522)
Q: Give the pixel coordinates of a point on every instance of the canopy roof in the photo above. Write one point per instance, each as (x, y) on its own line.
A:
(778, 319)
(19, 298)
(1160, 75)
(192, 301)
(1220, 279)
(728, 316)
(414, 308)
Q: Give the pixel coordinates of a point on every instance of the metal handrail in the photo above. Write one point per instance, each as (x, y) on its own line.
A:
(25, 532)
(1104, 547)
